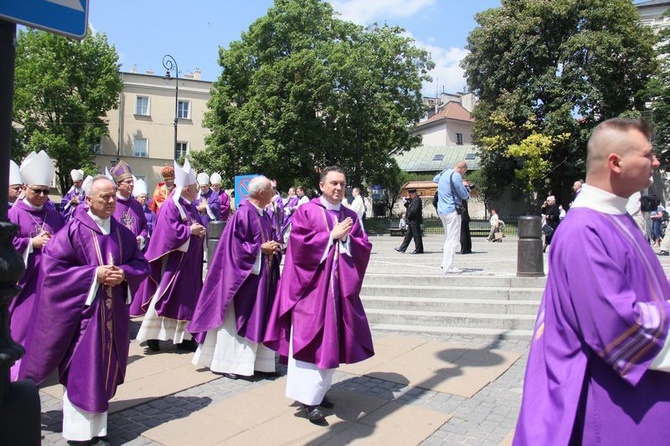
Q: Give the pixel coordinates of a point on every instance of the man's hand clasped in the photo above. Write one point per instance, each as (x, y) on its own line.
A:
(110, 275)
(198, 230)
(342, 229)
(270, 248)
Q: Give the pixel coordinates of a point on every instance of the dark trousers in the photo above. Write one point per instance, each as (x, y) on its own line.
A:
(466, 239)
(413, 232)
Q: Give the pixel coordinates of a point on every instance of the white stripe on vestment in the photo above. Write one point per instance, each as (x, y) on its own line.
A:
(224, 351)
(305, 383)
(81, 425)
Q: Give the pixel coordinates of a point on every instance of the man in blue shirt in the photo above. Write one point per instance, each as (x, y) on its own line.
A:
(450, 191)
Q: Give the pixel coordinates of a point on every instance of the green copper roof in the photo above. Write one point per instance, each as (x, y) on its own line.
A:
(437, 158)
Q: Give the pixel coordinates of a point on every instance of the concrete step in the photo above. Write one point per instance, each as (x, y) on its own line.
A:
(452, 292)
(421, 319)
(455, 280)
(451, 305)
(486, 333)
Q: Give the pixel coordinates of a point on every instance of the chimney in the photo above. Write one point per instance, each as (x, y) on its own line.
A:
(197, 74)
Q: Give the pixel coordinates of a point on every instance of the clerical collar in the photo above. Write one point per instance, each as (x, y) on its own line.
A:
(37, 208)
(600, 200)
(186, 200)
(330, 206)
(103, 223)
(121, 197)
(258, 208)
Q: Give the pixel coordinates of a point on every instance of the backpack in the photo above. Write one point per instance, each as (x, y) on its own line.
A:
(436, 199)
(649, 203)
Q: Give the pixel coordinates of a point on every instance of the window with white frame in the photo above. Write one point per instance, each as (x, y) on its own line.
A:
(180, 150)
(459, 139)
(142, 106)
(184, 109)
(141, 147)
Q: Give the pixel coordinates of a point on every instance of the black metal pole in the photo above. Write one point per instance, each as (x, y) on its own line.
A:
(19, 401)
(169, 63)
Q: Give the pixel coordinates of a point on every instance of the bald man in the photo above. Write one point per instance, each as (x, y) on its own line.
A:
(598, 365)
(451, 193)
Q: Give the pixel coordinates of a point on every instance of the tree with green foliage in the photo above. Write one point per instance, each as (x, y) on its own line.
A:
(547, 72)
(62, 90)
(302, 90)
(661, 100)
(390, 178)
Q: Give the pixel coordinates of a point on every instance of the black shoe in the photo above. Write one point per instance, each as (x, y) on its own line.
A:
(267, 374)
(188, 346)
(314, 414)
(230, 375)
(81, 443)
(153, 345)
(100, 441)
(326, 403)
(416, 252)
(663, 253)
(398, 249)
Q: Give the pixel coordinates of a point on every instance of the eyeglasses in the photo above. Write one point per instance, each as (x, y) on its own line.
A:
(39, 191)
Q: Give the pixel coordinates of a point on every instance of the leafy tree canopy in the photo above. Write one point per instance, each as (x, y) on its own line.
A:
(547, 72)
(661, 100)
(62, 90)
(302, 90)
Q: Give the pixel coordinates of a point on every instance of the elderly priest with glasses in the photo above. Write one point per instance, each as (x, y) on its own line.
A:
(37, 223)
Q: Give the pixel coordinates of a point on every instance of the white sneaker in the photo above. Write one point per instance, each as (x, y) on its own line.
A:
(454, 271)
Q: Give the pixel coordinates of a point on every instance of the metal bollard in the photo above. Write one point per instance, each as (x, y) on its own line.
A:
(215, 229)
(530, 262)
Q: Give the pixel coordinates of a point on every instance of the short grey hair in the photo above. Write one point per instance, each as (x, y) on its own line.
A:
(258, 184)
(89, 186)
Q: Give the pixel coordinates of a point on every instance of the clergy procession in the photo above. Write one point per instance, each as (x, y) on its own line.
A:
(283, 283)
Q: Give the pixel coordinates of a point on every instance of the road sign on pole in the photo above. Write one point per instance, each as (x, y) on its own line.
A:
(66, 17)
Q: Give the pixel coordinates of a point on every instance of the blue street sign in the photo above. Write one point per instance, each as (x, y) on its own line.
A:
(66, 17)
(242, 187)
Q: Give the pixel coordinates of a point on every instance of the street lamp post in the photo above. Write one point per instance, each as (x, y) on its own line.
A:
(169, 63)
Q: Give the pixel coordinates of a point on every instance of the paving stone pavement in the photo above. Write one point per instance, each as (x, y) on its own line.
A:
(487, 418)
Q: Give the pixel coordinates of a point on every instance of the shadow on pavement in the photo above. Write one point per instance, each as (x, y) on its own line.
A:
(455, 360)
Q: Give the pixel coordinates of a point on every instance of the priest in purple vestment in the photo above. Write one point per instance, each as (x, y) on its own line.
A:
(15, 184)
(232, 312)
(37, 224)
(224, 198)
(140, 192)
(599, 364)
(89, 270)
(175, 256)
(318, 320)
(128, 211)
(74, 196)
(207, 202)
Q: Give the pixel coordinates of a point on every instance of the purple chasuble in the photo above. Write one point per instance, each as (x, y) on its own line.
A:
(150, 217)
(30, 223)
(602, 321)
(212, 199)
(275, 211)
(177, 274)
(88, 344)
(229, 278)
(67, 209)
(224, 208)
(129, 213)
(321, 298)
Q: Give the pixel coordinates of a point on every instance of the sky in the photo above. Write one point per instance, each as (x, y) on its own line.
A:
(143, 31)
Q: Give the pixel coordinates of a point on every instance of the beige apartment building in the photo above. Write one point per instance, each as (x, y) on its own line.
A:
(141, 130)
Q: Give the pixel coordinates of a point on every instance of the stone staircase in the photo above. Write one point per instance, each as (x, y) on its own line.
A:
(469, 305)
